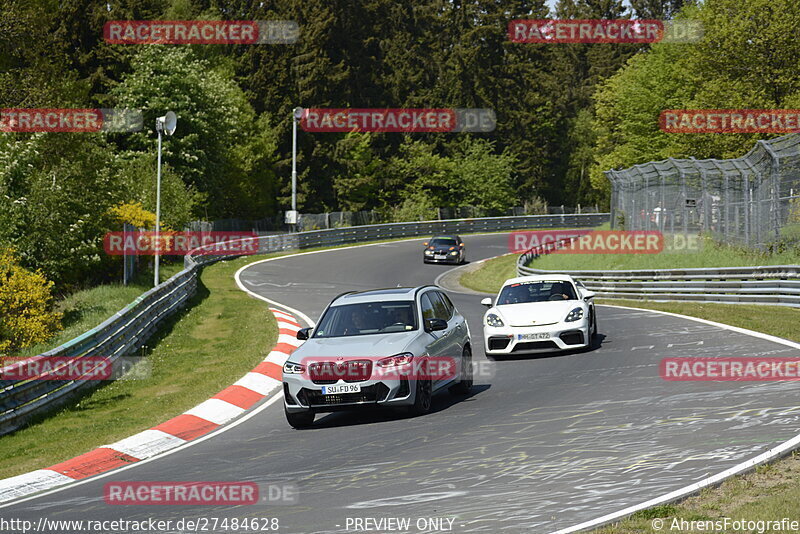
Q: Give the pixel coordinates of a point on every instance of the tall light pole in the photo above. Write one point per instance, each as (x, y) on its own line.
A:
(297, 115)
(166, 124)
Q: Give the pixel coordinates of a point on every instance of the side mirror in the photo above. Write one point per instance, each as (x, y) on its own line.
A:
(588, 294)
(487, 302)
(433, 325)
(303, 333)
(425, 244)
(461, 245)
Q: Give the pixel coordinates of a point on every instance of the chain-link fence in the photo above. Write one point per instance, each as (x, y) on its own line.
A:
(753, 200)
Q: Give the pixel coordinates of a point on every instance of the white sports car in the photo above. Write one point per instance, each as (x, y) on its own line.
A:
(539, 314)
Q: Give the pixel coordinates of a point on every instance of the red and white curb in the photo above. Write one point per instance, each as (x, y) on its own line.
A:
(207, 416)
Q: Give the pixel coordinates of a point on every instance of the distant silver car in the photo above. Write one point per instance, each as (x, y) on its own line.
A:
(386, 347)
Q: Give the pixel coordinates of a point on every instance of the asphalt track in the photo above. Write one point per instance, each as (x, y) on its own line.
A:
(542, 443)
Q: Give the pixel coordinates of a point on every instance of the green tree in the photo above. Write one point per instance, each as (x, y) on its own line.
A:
(484, 179)
(358, 186)
(55, 190)
(219, 148)
(744, 60)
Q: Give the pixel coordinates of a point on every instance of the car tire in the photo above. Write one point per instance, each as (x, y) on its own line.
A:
(465, 384)
(593, 328)
(422, 398)
(299, 419)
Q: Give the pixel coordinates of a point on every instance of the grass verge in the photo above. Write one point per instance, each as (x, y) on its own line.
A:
(768, 493)
(209, 345)
(86, 309)
(489, 277)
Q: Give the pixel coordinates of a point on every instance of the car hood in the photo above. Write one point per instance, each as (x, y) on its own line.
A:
(536, 313)
(373, 345)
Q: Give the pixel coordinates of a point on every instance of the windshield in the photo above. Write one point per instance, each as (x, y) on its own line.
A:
(367, 318)
(443, 242)
(539, 291)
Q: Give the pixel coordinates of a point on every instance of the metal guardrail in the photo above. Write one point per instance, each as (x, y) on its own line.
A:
(354, 234)
(126, 332)
(772, 284)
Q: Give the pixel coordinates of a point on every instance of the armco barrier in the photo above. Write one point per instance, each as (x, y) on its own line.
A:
(128, 330)
(777, 285)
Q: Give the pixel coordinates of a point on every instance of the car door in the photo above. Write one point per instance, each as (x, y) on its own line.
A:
(461, 334)
(436, 342)
(452, 349)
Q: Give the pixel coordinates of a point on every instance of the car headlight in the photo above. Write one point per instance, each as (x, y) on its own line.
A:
(494, 320)
(293, 368)
(428, 252)
(454, 253)
(574, 315)
(396, 360)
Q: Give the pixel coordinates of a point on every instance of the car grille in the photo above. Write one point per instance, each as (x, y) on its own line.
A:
(368, 394)
(498, 343)
(331, 372)
(573, 337)
(534, 345)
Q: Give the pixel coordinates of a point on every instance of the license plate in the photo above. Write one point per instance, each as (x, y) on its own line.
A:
(343, 388)
(439, 257)
(541, 335)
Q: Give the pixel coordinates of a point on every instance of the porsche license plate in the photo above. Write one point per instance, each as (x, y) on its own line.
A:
(528, 337)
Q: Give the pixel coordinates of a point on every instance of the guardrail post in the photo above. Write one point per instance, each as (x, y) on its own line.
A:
(685, 214)
(774, 168)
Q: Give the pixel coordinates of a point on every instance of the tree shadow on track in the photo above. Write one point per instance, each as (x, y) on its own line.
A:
(375, 414)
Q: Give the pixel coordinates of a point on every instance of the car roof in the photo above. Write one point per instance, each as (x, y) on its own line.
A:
(377, 295)
(445, 237)
(539, 277)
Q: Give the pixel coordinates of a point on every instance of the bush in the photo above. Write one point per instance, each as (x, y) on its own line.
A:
(134, 214)
(26, 317)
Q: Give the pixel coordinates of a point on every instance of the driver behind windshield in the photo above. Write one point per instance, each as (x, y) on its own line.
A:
(400, 316)
(560, 290)
(356, 322)
(516, 295)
